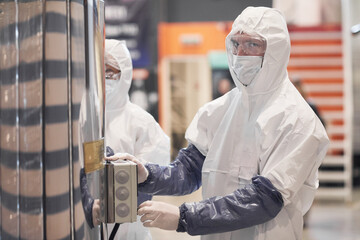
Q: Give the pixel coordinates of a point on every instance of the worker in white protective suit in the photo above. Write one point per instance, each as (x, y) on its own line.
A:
(129, 128)
(255, 151)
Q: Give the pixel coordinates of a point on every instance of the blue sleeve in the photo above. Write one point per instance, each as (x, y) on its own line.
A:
(183, 176)
(142, 197)
(86, 198)
(254, 204)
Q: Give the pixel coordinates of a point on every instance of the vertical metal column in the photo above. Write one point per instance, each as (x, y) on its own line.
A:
(9, 126)
(91, 120)
(56, 122)
(21, 119)
(42, 83)
(78, 67)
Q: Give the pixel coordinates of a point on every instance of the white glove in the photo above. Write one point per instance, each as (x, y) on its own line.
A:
(143, 173)
(159, 214)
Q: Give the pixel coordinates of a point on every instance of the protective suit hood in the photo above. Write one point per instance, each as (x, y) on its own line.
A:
(118, 56)
(270, 24)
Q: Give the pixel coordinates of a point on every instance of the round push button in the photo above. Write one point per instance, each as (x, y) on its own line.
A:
(122, 210)
(122, 193)
(122, 177)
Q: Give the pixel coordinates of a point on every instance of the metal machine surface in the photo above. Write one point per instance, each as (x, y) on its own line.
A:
(51, 66)
(52, 107)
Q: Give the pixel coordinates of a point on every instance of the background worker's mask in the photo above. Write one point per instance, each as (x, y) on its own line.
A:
(111, 82)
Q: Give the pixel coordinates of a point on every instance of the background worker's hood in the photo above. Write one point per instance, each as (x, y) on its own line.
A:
(118, 56)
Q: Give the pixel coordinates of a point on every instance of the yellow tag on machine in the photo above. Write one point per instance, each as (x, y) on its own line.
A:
(93, 155)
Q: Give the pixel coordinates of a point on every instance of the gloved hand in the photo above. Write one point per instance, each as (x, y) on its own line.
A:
(96, 212)
(159, 214)
(143, 173)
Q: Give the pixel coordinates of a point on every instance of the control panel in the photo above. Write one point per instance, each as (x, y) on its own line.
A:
(118, 190)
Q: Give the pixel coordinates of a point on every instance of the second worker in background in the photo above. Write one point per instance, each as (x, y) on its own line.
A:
(129, 128)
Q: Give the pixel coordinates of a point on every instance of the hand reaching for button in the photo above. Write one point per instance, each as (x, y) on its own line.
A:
(142, 171)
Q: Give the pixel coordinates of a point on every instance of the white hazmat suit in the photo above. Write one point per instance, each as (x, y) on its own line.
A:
(265, 128)
(255, 151)
(129, 128)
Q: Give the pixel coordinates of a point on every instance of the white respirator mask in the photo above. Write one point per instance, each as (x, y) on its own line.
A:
(110, 84)
(246, 68)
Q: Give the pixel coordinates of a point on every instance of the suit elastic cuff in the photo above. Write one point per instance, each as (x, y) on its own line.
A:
(182, 225)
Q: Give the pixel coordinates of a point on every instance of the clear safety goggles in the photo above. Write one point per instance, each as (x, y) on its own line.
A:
(243, 44)
(110, 74)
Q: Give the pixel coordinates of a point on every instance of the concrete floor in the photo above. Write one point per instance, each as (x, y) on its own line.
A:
(334, 220)
(328, 220)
